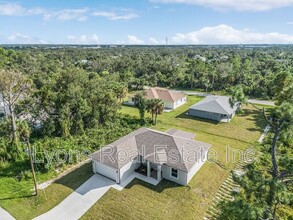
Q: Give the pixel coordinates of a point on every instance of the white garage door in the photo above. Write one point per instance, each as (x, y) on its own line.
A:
(106, 171)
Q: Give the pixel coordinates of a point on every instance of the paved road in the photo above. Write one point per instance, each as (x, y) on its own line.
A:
(254, 101)
(261, 102)
(81, 200)
(4, 215)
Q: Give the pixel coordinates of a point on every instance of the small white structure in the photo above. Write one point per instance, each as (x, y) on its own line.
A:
(173, 155)
(3, 108)
(171, 100)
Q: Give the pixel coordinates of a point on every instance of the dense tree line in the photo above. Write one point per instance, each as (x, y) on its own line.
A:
(209, 70)
(60, 101)
(267, 186)
(206, 68)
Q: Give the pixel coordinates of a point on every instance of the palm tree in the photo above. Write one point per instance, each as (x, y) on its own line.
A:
(140, 102)
(155, 107)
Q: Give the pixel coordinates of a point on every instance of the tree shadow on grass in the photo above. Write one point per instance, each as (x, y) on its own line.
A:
(13, 169)
(184, 115)
(77, 177)
(160, 187)
(130, 106)
(72, 180)
(17, 197)
(258, 120)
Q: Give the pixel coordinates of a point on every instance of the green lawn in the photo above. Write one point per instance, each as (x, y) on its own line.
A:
(169, 200)
(140, 200)
(25, 206)
(246, 127)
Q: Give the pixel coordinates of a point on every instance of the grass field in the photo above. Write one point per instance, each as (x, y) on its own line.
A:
(27, 207)
(245, 127)
(168, 200)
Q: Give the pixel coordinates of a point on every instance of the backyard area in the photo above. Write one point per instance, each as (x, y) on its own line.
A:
(144, 201)
(245, 127)
(141, 200)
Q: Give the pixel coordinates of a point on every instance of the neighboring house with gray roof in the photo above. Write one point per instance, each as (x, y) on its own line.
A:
(171, 99)
(216, 108)
(160, 154)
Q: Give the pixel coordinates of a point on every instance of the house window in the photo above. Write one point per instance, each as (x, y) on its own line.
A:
(174, 173)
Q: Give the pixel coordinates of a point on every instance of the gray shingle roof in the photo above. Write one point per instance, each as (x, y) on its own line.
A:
(215, 104)
(180, 133)
(155, 146)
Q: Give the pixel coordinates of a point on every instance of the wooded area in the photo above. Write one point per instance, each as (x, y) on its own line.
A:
(70, 99)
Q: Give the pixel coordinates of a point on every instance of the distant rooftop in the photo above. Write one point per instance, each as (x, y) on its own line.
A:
(215, 104)
(164, 94)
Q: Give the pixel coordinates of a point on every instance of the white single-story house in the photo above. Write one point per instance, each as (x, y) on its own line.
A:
(173, 155)
(171, 99)
(216, 108)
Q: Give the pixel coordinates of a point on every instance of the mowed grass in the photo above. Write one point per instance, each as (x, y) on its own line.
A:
(246, 127)
(140, 200)
(26, 206)
(168, 200)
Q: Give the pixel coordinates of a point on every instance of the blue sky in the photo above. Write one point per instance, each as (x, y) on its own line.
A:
(146, 21)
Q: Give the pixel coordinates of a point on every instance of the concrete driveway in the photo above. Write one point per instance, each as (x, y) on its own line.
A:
(4, 215)
(82, 199)
(77, 203)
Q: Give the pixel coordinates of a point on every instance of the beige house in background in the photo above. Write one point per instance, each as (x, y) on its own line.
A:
(171, 99)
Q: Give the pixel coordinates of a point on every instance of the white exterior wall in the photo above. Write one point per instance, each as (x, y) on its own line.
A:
(180, 102)
(3, 108)
(106, 171)
(94, 166)
(129, 101)
(173, 105)
(169, 105)
(128, 169)
(195, 168)
(182, 176)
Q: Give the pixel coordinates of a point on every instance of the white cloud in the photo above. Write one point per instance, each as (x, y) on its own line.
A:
(68, 14)
(290, 22)
(13, 9)
(134, 40)
(18, 38)
(224, 34)
(84, 39)
(153, 40)
(239, 5)
(79, 14)
(115, 16)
